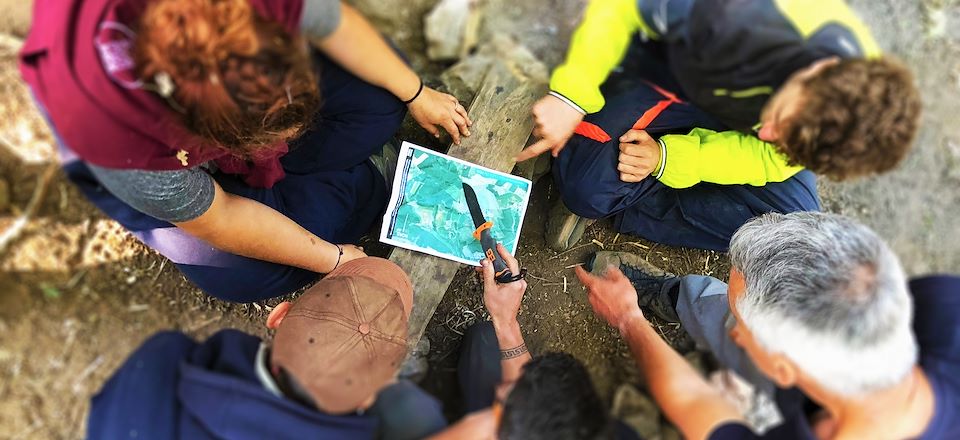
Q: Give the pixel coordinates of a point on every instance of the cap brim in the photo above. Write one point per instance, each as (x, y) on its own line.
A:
(383, 272)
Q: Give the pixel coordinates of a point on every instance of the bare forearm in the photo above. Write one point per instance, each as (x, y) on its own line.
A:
(513, 349)
(685, 397)
(359, 48)
(246, 227)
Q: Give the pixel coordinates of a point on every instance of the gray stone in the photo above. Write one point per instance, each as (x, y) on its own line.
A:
(451, 29)
(636, 410)
(415, 367)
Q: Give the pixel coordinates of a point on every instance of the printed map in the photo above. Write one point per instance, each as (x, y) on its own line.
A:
(428, 211)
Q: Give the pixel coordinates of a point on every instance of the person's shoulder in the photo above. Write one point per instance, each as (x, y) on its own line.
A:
(936, 303)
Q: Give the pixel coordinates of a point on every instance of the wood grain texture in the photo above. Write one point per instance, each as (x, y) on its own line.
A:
(501, 126)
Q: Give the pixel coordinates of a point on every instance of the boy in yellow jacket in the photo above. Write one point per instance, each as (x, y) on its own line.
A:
(756, 92)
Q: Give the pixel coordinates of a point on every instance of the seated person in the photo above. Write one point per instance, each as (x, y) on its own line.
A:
(753, 98)
(242, 139)
(329, 372)
(816, 303)
(509, 394)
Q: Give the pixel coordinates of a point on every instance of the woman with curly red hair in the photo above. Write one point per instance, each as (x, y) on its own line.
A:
(245, 140)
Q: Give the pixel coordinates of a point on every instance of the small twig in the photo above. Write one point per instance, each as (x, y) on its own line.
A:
(564, 284)
(574, 265)
(615, 237)
(203, 324)
(641, 246)
(86, 372)
(75, 279)
(157, 275)
(43, 183)
(598, 243)
(530, 275)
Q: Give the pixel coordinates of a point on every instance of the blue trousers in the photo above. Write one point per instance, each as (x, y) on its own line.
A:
(704, 216)
(330, 188)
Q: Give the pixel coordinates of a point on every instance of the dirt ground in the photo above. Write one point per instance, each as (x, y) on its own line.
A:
(77, 294)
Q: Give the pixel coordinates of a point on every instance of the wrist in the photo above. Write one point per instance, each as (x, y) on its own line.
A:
(329, 255)
(568, 101)
(415, 95)
(662, 163)
(632, 321)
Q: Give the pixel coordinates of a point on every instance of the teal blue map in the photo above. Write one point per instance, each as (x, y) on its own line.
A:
(428, 211)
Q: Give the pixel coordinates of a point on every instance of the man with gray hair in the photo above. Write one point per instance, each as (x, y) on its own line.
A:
(815, 302)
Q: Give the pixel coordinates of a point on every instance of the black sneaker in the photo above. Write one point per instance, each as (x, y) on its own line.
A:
(645, 277)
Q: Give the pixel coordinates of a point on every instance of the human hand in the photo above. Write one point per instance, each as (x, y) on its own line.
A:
(502, 300)
(639, 156)
(612, 296)
(432, 109)
(555, 122)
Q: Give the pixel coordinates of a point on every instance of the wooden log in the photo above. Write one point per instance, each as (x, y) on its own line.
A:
(501, 126)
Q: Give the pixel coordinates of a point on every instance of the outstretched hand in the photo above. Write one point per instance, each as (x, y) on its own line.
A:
(432, 109)
(612, 296)
(555, 122)
(502, 300)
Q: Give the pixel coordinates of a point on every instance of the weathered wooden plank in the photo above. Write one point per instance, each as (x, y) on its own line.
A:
(501, 126)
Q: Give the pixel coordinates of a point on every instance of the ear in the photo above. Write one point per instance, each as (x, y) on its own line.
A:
(784, 372)
(277, 314)
(814, 69)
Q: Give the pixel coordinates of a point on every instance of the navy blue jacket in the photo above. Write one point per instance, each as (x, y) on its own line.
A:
(172, 387)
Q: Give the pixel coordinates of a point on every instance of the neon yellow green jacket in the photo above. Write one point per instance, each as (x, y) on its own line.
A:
(602, 39)
(727, 158)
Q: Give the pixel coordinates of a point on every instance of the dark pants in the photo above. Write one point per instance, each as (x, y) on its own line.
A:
(703, 216)
(330, 188)
(406, 412)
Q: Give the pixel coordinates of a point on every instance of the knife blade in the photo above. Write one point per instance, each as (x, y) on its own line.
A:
(482, 234)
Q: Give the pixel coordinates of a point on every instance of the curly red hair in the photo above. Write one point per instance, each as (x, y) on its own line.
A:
(241, 82)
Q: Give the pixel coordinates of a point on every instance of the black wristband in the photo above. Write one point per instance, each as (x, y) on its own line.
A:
(339, 248)
(407, 102)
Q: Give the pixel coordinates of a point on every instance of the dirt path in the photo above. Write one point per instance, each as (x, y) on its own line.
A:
(77, 294)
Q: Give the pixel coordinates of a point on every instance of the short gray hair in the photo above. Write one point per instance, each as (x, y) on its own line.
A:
(827, 293)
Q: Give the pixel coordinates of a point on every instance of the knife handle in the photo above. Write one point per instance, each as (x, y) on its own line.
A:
(490, 250)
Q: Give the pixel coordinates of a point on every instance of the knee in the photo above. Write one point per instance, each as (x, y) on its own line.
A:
(584, 197)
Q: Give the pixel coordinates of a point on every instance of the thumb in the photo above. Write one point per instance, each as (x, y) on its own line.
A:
(637, 136)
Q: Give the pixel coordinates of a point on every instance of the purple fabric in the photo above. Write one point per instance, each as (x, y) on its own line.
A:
(76, 61)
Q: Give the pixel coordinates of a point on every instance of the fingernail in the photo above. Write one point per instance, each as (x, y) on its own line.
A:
(467, 133)
(437, 135)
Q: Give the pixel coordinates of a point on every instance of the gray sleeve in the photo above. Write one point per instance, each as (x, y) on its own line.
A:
(173, 196)
(320, 17)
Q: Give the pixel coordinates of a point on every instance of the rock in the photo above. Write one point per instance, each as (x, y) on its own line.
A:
(463, 79)
(637, 411)
(758, 408)
(451, 29)
(415, 368)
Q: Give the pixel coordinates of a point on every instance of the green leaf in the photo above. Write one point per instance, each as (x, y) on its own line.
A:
(50, 291)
